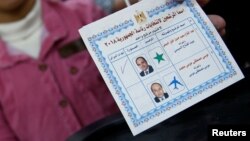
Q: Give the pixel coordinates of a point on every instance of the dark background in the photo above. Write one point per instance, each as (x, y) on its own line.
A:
(236, 13)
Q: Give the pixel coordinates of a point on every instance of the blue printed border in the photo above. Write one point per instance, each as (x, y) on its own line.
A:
(182, 98)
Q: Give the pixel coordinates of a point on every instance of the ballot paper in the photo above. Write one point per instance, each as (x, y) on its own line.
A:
(158, 58)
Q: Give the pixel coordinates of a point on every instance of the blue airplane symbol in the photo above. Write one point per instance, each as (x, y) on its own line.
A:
(175, 82)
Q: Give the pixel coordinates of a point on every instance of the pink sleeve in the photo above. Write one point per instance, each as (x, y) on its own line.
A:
(86, 9)
(5, 132)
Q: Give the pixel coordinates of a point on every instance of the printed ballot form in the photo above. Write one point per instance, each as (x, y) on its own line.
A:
(158, 58)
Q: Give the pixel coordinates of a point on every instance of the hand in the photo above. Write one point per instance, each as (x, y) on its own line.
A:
(217, 20)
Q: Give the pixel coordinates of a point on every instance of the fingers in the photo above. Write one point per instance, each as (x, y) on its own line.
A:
(219, 23)
(201, 2)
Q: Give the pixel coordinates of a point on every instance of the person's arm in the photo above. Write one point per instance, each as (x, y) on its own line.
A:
(6, 133)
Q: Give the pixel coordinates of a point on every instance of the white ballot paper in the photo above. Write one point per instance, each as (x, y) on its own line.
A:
(158, 58)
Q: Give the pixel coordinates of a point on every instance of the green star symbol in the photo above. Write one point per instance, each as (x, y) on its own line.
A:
(159, 57)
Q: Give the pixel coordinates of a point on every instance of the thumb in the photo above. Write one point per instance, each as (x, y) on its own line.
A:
(219, 23)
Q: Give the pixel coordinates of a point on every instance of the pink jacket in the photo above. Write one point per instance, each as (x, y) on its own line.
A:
(51, 98)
